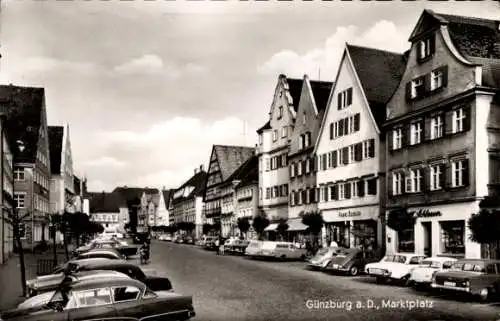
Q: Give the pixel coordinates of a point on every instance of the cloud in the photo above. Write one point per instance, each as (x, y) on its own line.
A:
(382, 35)
(46, 64)
(153, 64)
(166, 154)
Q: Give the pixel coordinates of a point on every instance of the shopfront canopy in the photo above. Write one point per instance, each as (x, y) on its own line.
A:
(271, 227)
(296, 225)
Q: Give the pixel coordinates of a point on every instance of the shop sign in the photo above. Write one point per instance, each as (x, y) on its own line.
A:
(350, 214)
(424, 213)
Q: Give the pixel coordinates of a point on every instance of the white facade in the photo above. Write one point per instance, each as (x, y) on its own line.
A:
(348, 156)
(163, 218)
(113, 220)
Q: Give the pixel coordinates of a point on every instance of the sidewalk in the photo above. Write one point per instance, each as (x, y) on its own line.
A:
(10, 276)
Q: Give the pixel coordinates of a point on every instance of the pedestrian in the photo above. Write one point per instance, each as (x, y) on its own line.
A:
(221, 247)
(217, 245)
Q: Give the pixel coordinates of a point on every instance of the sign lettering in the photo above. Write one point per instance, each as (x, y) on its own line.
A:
(349, 214)
(424, 213)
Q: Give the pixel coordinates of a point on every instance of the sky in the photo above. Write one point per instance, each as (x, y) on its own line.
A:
(147, 87)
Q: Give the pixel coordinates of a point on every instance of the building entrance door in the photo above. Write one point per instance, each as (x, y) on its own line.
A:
(427, 227)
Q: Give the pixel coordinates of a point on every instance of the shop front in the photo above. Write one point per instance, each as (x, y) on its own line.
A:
(353, 227)
(438, 231)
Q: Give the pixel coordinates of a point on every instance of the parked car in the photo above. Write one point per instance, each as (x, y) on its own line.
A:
(121, 246)
(236, 246)
(351, 261)
(187, 240)
(421, 276)
(165, 237)
(322, 258)
(153, 280)
(111, 254)
(479, 278)
(397, 266)
(279, 250)
(210, 243)
(178, 239)
(97, 299)
(253, 248)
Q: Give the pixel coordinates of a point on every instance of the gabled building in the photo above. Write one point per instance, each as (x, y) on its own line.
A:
(442, 128)
(26, 126)
(147, 210)
(187, 202)
(350, 153)
(246, 192)
(165, 207)
(7, 195)
(81, 200)
(132, 197)
(224, 160)
(62, 184)
(272, 148)
(110, 210)
(301, 160)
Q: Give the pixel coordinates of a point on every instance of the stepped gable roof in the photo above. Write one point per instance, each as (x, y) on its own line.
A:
(23, 108)
(56, 134)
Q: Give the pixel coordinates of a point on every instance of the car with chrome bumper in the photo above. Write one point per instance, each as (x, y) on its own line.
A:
(322, 258)
(351, 261)
(397, 266)
(421, 276)
(476, 277)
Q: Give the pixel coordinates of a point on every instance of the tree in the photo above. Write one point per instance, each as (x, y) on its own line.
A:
(485, 229)
(260, 222)
(399, 219)
(16, 219)
(78, 225)
(206, 228)
(189, 226)
(314, 222)
(282, 228)
(243, 225)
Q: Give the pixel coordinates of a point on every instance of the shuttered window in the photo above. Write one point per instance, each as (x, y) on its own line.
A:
(372, 186)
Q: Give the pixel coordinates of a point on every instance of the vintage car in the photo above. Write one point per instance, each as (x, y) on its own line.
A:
(121, 246)
(46, 283)
(235, 246)
(253, 248)
(103, 299)
(322, 258)
(421, 276)
(187, 239)
(111, 254)
(396, 266)
(351, 261)
(480, 278)
(278, 250)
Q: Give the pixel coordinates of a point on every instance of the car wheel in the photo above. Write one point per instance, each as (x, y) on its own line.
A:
(303, 257)
(353, 271)
(283, 257)
(484, 294)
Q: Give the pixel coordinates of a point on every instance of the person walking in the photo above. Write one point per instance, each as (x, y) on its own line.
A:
(217, 245)
(221, 246)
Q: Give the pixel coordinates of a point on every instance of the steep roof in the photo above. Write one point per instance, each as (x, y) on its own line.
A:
(295, 89)
(76, 184)
(167, 195)
(132, 195)
(247, 173)
(198, 181)
(379, 72)
(56, 134)
(321, 92)
(23, 111)
(231, 157)
(105, 202)
(267, 125)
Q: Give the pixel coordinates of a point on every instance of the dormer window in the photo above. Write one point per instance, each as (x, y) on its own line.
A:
(425, 48)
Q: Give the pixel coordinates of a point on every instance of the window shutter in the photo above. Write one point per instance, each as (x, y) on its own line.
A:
(390, 135)
(406, 133)
(372, 186)
(315, 166)
(339, 101)
(312, 195)
(331, 131)
(345, 155)
(442, 177)
(444, 70)
(358, 148)
(427, 83)
(427, 128)
(424, 179)
(403, 183)
(304, 168)
(304, 196)
(335, 192)
(356, 122)
(323, 163)
(390, 179)
(349, 96)
(291, 200)
(347, 187)
(448, 122)
(467, 120)
(346, 126)
(325, 190)
(334, 158)
(465, 177)
(448, 176)
(341, 127)
(361, 188)
(408, 91)
(291, 170)
(371, 148)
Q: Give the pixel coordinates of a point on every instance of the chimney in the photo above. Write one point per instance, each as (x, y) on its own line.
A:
(202, 168)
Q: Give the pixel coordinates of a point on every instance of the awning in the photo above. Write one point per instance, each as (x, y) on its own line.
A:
(296, 225)
(271, 227)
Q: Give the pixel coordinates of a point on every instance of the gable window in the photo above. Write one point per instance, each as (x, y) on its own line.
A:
(397, 138)
(437, 79)
(416, 133)
(284, 132)
(20, 198)
(280, 112)
(425, 48)
(19, 174)
(397, 183)
(436, 127)
(436, 177)
(344, 99)
(275, 135)
(417, 88)
(458, 120)
(459, 173)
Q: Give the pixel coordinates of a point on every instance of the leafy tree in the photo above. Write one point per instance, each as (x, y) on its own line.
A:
(78, 224)
(314, 222)
(243, 225)
(260, 222)
(282, 228)
(485, 229)
(399, 219)
(16, 219)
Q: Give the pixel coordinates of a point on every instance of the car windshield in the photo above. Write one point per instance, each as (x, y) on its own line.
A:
(431, 263)
(395, 258)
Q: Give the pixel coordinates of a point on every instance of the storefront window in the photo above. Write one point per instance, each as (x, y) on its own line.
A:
(406, 240)
(365, 234)
(338, 232)
(452, 237)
